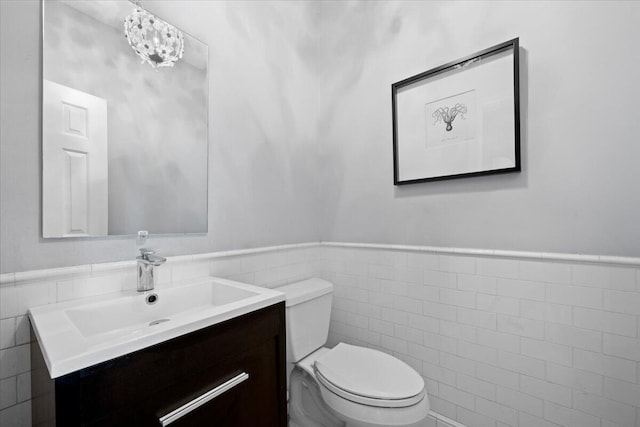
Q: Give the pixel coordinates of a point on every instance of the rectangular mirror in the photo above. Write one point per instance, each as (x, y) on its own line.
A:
(124, 141)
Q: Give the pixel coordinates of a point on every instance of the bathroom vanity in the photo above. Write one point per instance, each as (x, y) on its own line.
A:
(230, 373)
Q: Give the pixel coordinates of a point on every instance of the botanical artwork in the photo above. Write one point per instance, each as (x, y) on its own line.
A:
(450, 120)
(448, 116)
(460, 119)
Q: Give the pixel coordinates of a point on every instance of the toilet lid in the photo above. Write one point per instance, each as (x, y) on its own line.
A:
(369, 373)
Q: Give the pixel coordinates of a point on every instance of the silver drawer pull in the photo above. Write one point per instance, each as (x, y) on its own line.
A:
(202, 399)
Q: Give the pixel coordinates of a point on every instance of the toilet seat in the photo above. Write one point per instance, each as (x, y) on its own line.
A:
(369, 377)
(368, 401)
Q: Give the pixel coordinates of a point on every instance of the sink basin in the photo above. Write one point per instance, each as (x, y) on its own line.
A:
(78, 334)
(133, 312)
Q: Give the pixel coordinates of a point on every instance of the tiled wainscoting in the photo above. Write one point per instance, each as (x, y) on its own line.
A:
(264, 267)
(502, 339)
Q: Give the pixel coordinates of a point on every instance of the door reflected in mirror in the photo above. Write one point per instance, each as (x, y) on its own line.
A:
(124, 143)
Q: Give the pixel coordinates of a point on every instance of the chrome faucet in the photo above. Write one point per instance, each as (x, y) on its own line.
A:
(146, 261)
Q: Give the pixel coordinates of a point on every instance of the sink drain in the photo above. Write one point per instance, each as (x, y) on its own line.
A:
(157, 322)
(152, 299)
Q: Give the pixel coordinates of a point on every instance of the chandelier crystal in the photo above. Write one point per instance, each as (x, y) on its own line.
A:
(157, 42)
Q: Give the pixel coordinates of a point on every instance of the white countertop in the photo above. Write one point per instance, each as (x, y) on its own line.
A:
(67, 349)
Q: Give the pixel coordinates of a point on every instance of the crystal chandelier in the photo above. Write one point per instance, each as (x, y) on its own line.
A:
(157, 42)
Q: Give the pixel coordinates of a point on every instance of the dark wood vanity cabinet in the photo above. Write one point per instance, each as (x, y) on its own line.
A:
(138, 389)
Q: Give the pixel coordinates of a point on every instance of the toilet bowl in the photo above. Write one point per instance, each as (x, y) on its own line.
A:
(346, 385)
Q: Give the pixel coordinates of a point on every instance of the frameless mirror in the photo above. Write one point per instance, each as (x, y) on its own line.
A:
(124, 142)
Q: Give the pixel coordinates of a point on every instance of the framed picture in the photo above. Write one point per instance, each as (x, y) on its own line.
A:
(458, 120)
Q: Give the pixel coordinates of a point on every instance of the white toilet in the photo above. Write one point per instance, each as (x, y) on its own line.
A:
(348, 385)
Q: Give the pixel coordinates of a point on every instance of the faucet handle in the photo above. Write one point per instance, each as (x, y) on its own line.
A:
(148, 256)
(145, 252)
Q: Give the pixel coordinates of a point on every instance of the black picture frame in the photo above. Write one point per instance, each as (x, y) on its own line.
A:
(455, 68)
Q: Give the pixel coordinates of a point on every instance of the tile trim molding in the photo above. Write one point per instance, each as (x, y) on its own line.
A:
(441, 419)
(544, 256)
(53, 274)
(18, 278)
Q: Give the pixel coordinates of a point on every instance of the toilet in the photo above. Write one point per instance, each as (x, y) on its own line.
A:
(347, 385)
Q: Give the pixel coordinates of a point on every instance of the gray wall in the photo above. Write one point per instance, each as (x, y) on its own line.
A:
(263, 183)
(579, 190)
(290, 79)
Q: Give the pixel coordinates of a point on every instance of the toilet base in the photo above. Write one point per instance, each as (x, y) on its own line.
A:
(312, 405)
(306, 408)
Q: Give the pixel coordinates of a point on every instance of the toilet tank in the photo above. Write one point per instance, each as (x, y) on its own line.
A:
(308, 311)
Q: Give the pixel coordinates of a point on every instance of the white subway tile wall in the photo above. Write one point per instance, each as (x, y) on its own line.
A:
(500, 340)
(267, 267)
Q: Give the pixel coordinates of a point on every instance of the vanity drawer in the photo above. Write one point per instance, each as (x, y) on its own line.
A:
(140, 388)
(252, 402)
